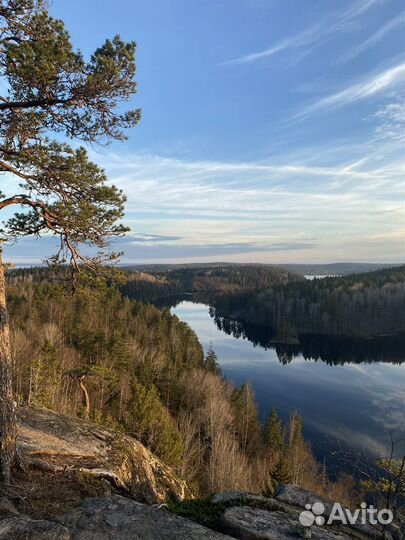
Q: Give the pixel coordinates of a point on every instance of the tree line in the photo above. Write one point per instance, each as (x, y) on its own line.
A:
(211, 280)
(363, 305)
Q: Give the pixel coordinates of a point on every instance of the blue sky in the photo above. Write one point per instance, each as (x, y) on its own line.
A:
(272, 130)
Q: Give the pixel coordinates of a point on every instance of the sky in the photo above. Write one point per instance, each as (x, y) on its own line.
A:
(273, 130)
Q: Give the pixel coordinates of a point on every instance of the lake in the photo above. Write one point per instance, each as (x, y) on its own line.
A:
(350, 393)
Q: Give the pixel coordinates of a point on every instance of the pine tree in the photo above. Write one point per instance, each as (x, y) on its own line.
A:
(150, 422)
(51, 88)
(281, 473)
(211, 361)
(273, 434)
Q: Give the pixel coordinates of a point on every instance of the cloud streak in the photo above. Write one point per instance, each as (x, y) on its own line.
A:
(304, 38)
(374, 39)
(370, 87)
(288, 208)
(324, 29)
(291, 207)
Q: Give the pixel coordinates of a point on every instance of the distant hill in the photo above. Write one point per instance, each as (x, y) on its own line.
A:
(338, 268)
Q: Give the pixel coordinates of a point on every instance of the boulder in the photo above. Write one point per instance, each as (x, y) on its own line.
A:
(247, 523)
(24, 528)
(296, 497)
(58, 443)
(120, 518)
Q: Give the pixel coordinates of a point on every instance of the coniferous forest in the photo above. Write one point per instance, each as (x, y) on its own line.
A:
(363, 305)
(360, 305)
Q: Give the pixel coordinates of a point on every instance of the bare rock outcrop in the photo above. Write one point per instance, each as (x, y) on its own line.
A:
(58, 443)
(114, 518)
(252, 517)
(248, 523)
(25, 528)
(49, 501)
(123, 519)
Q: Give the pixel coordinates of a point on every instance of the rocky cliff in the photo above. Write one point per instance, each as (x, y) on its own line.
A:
(75, 475)
(242, 516)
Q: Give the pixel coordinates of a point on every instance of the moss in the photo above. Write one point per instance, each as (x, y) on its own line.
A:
(201, 511)
(207, 513)
(91, 486)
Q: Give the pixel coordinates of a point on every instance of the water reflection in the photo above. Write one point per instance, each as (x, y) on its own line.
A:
(332, 350)
(350, 393)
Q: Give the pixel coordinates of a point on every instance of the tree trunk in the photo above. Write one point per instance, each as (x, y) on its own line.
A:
(86, 399)
(8, 423)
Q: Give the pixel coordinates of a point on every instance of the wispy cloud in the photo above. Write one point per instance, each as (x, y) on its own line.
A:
(372, 86)
(374, 39)
(391, 121)
(332, 24)
(304, 38)
(357, 8)
(291, 207)
(149, 239)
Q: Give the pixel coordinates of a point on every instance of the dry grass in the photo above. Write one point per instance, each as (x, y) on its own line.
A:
(41, 494)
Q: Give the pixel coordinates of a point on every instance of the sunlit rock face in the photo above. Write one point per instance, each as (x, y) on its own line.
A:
(55, 442)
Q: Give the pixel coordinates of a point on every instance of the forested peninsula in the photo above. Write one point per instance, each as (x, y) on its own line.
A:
(363, 305)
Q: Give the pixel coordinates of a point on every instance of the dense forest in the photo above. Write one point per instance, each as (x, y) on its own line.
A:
(211, 280)
(365, 305)
(134, 368)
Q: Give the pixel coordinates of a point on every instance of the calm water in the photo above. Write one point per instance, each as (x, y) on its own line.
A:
(349, 402)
